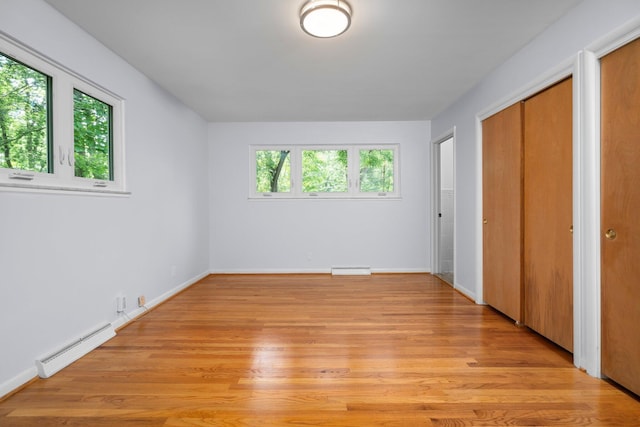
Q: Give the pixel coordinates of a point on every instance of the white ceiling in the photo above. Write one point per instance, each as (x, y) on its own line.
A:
(248, 60)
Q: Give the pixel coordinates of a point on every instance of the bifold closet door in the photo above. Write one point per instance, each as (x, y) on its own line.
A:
(548, 214)
(502, 211)
(620, 211)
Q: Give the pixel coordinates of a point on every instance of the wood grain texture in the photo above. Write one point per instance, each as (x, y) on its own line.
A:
(620, 206)
(502, 211)
(548, 213)
(316, 350)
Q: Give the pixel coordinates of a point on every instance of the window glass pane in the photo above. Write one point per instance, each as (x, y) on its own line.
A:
(324, 171)
(376, 171)
(273, 171)
(25, 117)
(92, 137)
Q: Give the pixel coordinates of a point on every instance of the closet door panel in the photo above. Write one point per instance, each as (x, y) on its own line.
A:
(502, 211)
(548, 214)
(620, 210)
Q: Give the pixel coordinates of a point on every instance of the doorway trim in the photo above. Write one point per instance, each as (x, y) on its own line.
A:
(435, 200)
(588, 125)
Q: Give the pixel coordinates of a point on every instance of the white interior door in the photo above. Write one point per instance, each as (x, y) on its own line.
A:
(443, 211)
(446, 214)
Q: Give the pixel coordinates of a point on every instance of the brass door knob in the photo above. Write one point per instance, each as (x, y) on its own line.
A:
(484, 221)
(611, 234)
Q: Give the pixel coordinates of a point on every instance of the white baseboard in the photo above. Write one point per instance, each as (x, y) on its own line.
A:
(18, 381)
(351, 271)
(466, 292)
(400, 270)
(271, 271)
(311, 271)
(162, 298)
(126, 318)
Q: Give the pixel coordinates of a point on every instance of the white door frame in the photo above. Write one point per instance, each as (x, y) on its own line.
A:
(435, 199)
(587, 329)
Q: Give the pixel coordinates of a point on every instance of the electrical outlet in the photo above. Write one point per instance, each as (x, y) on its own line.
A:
(141, 301)
(121, 304)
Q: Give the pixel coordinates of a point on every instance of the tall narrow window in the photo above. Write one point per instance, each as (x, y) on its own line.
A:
(92, 136)
(377, 171)
(25, 117)
(273, 171)
(324, 171)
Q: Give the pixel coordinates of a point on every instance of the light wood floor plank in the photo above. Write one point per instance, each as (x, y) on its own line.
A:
(278, 350)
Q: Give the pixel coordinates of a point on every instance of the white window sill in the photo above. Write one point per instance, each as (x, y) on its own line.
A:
(30, 188)
(323, 197)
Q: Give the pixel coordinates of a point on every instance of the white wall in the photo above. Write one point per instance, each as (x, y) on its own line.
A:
(583, 25)
(64, 258)
(314, 235)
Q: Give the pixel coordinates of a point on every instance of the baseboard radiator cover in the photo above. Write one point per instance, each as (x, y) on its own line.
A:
(64, 357)
(350, 271)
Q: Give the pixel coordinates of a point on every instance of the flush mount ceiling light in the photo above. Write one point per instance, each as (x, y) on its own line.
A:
(325, 18)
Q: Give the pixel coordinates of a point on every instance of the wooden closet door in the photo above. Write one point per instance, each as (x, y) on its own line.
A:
(548, 214)
(502, 211)
(620, 213)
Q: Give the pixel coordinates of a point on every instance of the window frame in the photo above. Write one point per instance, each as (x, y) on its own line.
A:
(61, 177)
(276, 195)
(353, 172)
(396, 171)
(326, 194)
(48, 143)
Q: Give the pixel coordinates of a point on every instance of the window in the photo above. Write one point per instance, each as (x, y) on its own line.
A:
(377, 170)
(57, 130)
(92, 137)
(273, 171)
(325, 172)
(25, 117)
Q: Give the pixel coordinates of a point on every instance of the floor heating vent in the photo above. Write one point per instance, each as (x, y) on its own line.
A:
(74, 351)
(351, 271)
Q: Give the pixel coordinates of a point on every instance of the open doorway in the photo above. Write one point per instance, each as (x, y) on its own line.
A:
(443, 208)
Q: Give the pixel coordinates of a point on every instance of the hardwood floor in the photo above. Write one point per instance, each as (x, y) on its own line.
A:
(317, 350)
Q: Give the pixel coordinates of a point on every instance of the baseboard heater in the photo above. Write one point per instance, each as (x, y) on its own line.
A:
(74, 351)
(350, 271)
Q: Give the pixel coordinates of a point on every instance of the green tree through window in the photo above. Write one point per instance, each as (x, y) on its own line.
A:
(376, 171)
(273, 171)
(324, 171)
(92, 137)
(25, 117)
(40, 101)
